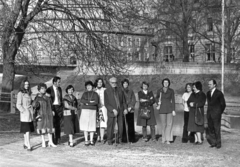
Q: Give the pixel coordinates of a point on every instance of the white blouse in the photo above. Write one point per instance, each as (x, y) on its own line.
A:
(100, 92)
(185, 98)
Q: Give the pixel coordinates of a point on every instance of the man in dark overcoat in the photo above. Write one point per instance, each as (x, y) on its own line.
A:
(216, 106)
(115, 103)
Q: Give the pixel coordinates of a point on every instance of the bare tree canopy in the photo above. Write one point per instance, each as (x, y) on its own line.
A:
(84, 30)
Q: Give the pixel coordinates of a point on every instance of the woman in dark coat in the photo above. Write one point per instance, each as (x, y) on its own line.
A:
(131, 101)
(166, 101)
(71, 124)
(146, 100)
(44, 115)
(196, 100)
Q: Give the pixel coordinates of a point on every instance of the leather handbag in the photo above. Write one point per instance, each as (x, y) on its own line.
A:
(199, 118)
(145, 113)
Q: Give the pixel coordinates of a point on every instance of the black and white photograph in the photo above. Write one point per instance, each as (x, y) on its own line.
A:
(119, 83)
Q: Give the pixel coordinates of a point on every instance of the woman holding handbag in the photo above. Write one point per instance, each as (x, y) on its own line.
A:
(166, 107)
(146, 111)
(196, 104)
(71, 124)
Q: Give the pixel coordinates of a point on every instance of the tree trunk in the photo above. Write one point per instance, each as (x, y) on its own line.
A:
(185, 49)
(7, 81)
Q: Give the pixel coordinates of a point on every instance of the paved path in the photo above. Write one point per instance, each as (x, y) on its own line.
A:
(137, 154)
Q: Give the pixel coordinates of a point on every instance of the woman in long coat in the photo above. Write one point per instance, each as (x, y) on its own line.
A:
(166, 100)
(90, 101)
(146, 100)
(71, 124)
(197, 100)
(131, 101)
(24, 105)
(44, 115)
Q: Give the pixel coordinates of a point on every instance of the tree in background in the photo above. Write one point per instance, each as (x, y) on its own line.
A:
(60, 29)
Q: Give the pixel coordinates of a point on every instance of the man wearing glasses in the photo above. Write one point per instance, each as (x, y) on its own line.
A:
(115, 103)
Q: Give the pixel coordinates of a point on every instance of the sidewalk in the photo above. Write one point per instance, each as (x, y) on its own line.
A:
(137, 154)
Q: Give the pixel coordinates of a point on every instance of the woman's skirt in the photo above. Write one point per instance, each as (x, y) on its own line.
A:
(88, 120)
(71, 124)
(26, 127)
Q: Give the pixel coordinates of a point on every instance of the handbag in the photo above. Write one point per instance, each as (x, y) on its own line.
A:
(199, 119)
(145, 113)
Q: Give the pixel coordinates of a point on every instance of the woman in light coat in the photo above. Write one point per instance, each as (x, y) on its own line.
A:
(24, 105)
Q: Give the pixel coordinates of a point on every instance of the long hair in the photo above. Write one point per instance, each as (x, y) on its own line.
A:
(188, 84)
(96, 82)
(23, 90)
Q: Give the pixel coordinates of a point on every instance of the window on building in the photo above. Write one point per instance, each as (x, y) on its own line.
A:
(137, 42)
(129, 56)
(129, 41)
(168, 53)
(209, 24)
(120, 42)
(210, 51)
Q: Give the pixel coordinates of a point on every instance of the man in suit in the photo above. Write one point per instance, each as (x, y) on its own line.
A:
(115, 103)
(216, 106)
(55, 93)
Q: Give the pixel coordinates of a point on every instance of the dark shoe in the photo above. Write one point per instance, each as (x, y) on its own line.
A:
(92, 143)
(200, 143)
(212, 146)
(24, 146)
(218, 147)
(86, 143)
(196, 143)
(184, 140)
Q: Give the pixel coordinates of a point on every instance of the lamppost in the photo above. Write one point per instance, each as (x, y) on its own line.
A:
(222, 47)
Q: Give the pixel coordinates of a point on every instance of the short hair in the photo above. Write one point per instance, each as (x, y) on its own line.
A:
(198, 85)
(23, 90)
(112, 78)
(96, 82)
(88, 83)
(41, 85)
(69, 87)
(125, 80)
(55, 79)
(188, 84)
(144, 83)
(166, 79)
(214, 81)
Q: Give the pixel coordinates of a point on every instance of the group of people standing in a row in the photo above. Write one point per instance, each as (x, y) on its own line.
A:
(112, 109)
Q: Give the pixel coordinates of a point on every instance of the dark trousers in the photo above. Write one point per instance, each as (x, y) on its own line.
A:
(131, 128)
(111, 125)
(214, 130)
(185, 136)
(144, 131)
(57, 123)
